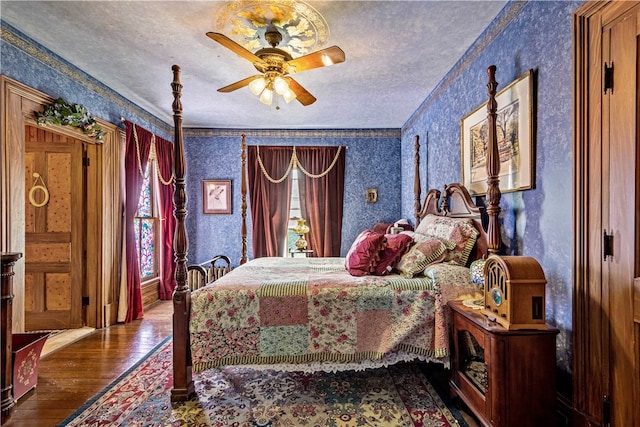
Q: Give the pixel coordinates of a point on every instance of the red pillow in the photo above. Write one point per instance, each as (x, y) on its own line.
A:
(381, 227)
(364, 253)
(397, 245)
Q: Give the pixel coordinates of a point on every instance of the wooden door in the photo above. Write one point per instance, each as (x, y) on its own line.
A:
(607, 201)
(54, 212)
(619, 216)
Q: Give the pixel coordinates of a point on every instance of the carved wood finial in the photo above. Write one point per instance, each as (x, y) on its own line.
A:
(493, 167)
(181, 243)
(243, 191)
(444, 200)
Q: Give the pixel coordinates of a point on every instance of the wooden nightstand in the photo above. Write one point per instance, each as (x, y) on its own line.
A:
(506, 377)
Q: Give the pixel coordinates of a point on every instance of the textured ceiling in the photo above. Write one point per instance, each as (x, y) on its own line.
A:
(396, 53)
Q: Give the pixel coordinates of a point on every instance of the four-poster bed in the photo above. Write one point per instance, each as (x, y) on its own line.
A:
(453, 202)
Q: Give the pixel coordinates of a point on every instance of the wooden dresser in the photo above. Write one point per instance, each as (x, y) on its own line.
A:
(7, 402)
(506, 377)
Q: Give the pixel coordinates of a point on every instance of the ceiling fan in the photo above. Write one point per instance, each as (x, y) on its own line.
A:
(275, 65)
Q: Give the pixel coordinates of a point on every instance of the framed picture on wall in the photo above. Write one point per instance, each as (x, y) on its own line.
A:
(216, 196)
(515, 135)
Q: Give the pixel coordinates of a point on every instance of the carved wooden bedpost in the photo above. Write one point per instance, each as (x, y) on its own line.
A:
(243, 191)
(417, 206)
(183, 387)
(493, 167)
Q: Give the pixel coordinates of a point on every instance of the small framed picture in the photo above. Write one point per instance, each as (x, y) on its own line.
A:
(372, 195)
(216, 196)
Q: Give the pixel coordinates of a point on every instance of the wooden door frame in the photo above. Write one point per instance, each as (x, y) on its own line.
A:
(590, 301)
(104, 199)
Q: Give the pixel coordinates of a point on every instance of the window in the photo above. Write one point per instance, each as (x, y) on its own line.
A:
(146, 225)
(294, 212)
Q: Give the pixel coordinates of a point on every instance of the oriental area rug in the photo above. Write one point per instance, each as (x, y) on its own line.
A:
(396, 396)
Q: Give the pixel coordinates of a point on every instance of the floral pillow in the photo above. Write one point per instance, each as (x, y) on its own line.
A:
(364, 253)
(452, 281)
(446, 274)
(397, 245)
(460, 231)
(426, 250)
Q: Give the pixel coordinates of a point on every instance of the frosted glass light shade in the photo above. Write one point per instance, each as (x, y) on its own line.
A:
(266, 97)
(289, 95)
(257, 86)
(280, 85)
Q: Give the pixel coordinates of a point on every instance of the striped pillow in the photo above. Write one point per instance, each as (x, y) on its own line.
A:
(427, 250)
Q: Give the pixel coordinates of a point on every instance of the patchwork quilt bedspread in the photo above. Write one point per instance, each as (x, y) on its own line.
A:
(309, 310)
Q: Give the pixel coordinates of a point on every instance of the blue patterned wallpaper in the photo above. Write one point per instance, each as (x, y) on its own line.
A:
(526, 35)
(29, 63)
(372, 161)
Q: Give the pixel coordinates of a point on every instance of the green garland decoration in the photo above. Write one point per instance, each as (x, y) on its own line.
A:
(62, 113)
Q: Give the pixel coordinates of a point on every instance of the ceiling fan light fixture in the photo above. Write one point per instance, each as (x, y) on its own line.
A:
(257, 86)
(266, 97)
(275, 64)
(289, 95)
(280, 85)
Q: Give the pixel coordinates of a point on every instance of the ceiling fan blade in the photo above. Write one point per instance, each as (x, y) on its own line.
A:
(302, 95)
(237, 85)
(322, 58)
(235, 47)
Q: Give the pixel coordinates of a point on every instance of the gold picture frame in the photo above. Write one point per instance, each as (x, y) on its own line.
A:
(216, 196)
(371, 195)
(515, 135)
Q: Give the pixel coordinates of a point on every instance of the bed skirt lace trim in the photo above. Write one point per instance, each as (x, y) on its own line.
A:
(336, 366)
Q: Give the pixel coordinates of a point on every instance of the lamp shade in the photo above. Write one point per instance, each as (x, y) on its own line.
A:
(280, 85)
(257, 86)
(301, 227)
(267, 96)
(289, 95)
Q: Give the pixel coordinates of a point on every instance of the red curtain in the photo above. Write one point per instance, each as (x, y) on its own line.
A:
(270, 201)
(164, 153)
(135, 162)
(321, 198)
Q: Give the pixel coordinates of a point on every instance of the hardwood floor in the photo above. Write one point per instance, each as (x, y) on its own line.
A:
(72, 375)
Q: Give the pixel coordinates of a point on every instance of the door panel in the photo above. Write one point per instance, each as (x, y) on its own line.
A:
(636, 300)
(53, 231)
(619, 136)
(606, 374)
